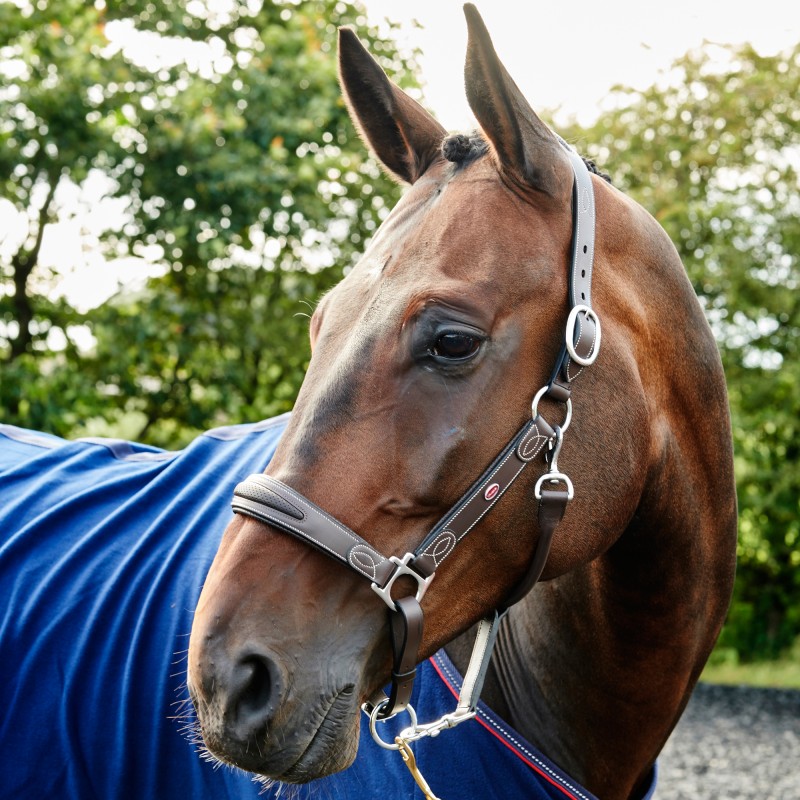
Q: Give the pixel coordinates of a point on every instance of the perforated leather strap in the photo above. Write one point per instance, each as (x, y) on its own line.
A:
(583, 326)
(583, 233)
(277, 504)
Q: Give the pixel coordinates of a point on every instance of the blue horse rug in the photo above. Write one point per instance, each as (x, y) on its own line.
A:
(104, 546)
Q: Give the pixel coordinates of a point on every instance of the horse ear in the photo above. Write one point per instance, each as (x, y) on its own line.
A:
(525, 146)
(404, 136)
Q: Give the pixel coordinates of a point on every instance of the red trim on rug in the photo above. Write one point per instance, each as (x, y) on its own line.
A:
(508, 744)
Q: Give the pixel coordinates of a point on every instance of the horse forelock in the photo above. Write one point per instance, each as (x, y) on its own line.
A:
(461, 148)
(464, 148)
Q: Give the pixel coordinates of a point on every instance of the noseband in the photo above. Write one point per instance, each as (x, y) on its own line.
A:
(277, 504)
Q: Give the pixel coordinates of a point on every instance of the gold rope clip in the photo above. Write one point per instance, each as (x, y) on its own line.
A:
(411, 763)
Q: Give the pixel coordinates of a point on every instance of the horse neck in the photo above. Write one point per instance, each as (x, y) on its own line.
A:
(595, 667)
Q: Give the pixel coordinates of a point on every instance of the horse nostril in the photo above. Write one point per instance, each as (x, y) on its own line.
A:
(254, 686)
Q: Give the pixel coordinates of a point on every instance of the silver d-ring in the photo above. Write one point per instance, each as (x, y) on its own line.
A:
(535, 408)
(554, 477)
(373, 720)
(570, 334)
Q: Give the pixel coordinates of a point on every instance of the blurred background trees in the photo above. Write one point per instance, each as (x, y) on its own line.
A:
(210, 155)
(215, 149)
(715, 157)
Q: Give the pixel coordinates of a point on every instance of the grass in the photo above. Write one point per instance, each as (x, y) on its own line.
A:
(783, 674)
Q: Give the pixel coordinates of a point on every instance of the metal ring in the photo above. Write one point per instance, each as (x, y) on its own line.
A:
(554, 477)
(535, 408)
(570, 334)
(373, 720)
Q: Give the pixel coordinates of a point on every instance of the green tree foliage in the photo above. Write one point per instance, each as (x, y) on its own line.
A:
(715, 156)
(234, 167)
(220, 131)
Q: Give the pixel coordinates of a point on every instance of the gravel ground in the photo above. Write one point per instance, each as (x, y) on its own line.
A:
(734, 743)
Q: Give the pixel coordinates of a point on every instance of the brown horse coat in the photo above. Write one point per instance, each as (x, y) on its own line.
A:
(597, 663)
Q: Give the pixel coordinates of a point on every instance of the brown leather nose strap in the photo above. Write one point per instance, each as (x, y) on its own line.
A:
(277, 504)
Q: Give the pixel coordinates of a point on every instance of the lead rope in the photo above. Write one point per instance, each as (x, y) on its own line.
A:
(552, 505)
(411, 762)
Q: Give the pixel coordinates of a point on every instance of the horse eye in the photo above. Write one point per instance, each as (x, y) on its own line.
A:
(455, 346)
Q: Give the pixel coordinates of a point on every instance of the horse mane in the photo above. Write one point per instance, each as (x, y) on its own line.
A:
(463, 149)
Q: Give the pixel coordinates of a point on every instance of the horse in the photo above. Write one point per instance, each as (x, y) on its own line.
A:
(604, 588)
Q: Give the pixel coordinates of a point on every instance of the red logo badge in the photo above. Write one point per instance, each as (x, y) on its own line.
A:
(491, 491)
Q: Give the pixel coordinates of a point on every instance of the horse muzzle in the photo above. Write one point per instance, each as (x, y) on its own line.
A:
(253, 715)
(276, 671)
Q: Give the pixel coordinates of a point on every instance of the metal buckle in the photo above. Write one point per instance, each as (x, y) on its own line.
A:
(402, 568)
(553, 477)
(570, 334)
(414, 732)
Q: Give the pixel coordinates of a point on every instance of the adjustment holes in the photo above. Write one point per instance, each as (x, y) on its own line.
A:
(586, 248)
(583, 296)
(583, 273)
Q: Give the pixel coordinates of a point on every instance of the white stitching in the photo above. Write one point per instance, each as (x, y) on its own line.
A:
(491, 505)
(572, 378)
(360, 550)
(591, 349)
(575, 348)
(315, 509)
(478, 491)
(538, 446)
(446, 537)
(486, 482)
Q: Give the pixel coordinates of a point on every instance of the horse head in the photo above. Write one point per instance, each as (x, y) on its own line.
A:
(425, 359)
